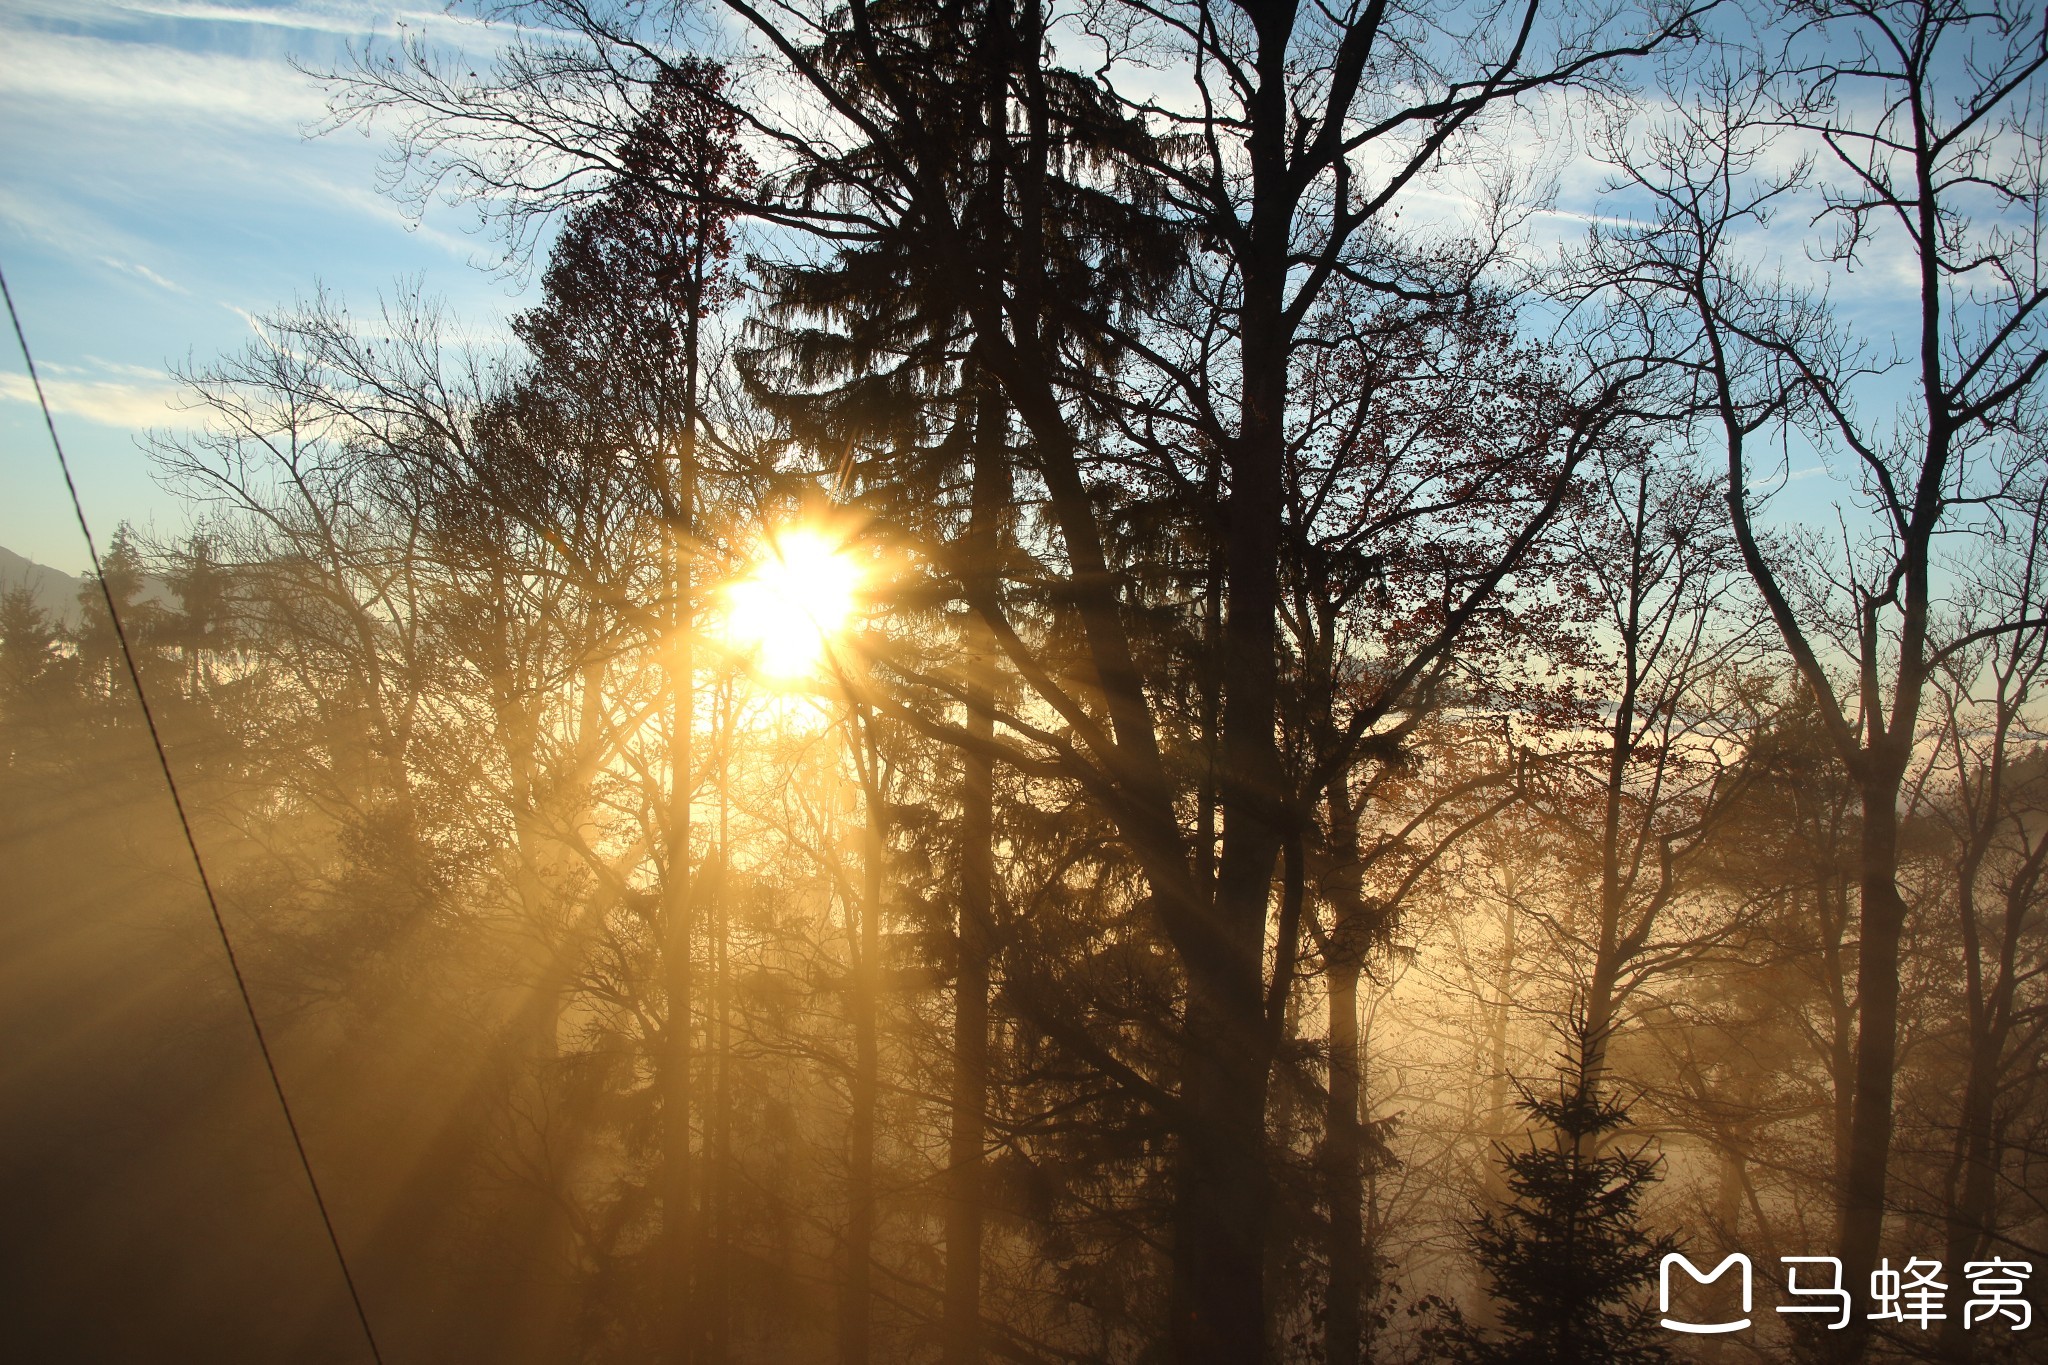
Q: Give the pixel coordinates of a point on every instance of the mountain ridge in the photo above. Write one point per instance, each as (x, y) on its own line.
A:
(56, 591)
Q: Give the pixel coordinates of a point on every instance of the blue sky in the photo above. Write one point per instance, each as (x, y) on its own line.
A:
(156, 189)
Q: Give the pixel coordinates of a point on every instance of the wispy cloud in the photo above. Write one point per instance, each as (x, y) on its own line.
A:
(143, 272)
(81, 237)
(346, 17)
(70, 75)
(76, 232)
(102, 365)
(255, 323)
(110, 402)
(381, 209)
(321, 22)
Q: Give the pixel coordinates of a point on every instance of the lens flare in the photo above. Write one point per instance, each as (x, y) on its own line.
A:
(800, 595)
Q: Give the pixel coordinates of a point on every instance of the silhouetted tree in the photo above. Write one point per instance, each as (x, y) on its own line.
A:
(1566, 1255)
(1934, 122)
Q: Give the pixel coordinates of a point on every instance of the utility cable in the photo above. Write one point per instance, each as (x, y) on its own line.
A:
(185, 824)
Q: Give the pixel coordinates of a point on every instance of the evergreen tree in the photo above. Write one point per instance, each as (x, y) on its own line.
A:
(28, 646)
(202, 627)
(127, 583)
(1566, 1255)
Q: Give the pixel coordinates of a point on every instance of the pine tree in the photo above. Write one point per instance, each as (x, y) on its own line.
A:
(142, 617)
(1566, 1255)
(28, 647)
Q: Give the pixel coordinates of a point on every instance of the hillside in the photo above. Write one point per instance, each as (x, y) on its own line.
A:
(55, 591)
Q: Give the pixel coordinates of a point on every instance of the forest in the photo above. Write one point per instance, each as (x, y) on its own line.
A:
(1098, 681)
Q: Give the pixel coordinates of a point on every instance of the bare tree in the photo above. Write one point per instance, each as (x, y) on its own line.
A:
(1991, 794)
(1923, 128)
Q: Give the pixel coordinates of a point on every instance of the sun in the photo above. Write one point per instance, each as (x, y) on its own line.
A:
(785, 613)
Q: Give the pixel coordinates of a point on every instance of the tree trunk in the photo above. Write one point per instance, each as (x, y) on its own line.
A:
(678, 933)
(1221, 1200)
(1974, 1188)
(1861, 1220)
(1221, 1194)
(1349, 1256)
(1497, 1018)
(1973, 1180)
(962, 1327)
(714, 1290)
(975, 933)
(1607, 953)
(1831, 907)
(676, 1195)
(1345, 1148)
(856, 1301)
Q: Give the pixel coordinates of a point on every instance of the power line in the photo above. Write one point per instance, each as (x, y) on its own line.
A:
(185, 824)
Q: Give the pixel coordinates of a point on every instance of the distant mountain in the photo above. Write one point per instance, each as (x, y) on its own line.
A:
(56, 591)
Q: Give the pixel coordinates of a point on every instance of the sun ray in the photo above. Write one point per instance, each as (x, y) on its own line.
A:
(800, 595)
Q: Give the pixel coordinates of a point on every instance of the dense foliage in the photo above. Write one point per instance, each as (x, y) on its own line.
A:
(1015, 710)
